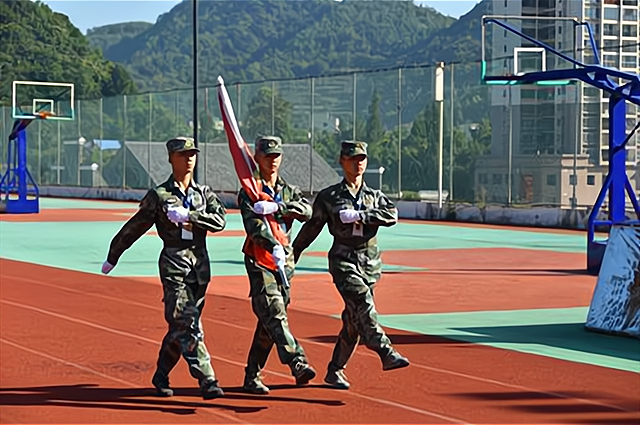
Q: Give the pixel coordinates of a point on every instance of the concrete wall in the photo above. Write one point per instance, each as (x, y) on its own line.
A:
(490, 214)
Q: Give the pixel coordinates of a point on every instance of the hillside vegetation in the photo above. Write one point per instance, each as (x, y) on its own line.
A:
(40, 45)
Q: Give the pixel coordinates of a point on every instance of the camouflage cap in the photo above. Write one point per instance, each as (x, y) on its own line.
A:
(268, 145)
(350, 148)
(181, 144)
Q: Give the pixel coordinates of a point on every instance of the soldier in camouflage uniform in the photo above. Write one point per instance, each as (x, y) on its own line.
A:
(183, 212)
(354, 213)
(270, 296)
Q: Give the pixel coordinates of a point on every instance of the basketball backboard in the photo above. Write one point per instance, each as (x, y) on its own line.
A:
(538, 44)
(38, 99)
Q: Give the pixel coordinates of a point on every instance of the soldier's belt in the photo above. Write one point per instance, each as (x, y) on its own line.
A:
(185, 244)
(355, 247)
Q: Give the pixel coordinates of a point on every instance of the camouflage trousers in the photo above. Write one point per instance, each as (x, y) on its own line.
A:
(269, 301)
(185, 275)
(355, 273)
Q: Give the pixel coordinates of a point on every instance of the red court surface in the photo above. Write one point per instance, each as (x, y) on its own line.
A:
(80, 348)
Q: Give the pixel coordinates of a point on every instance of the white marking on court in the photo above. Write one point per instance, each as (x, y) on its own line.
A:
(93, 371)
(359, 352)
(141, 338)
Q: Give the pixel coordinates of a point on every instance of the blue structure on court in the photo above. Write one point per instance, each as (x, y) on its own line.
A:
(18, 190)
(31, 100)
(616, 184)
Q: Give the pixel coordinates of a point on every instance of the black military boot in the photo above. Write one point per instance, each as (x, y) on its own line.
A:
(161, 384)
(394, 360)
(210, 389)
(336, 378)
(302, 372)
(253, 383)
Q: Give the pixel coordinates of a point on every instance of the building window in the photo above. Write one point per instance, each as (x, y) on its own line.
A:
(629, 47)
(592, 12)
(497, 179)
(591, 180)
(630, 2)
(629, 30)
(612, 29)
(629, 62)
(483, 178)
(630, 15)
(611, 61)
(611, 14)
(551, 179)
(611, 45)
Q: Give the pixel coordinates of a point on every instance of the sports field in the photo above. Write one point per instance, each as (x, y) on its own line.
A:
(490, 317)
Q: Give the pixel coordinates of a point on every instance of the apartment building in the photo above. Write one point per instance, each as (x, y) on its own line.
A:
(550, 142)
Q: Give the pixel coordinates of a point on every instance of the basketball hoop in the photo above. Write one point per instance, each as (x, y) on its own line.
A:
(43, 115)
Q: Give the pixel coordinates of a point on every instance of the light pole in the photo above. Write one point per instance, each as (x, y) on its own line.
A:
(380, 172)
(195, 78)
(440, 100)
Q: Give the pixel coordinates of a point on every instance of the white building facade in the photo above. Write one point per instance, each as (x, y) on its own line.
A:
(543, 135)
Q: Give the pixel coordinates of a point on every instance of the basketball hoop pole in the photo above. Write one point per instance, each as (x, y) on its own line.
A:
(17, 177)
(616, 184)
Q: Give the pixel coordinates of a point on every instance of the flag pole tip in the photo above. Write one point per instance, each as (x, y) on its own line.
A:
(220, 80)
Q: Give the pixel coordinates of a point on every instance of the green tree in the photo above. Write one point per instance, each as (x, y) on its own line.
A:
(266, 111)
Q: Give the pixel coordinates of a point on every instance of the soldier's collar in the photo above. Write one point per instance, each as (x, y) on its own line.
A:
(174, 183)
(344, 187)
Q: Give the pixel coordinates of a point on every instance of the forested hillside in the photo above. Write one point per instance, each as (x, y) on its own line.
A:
(107, 36)
(38, 44)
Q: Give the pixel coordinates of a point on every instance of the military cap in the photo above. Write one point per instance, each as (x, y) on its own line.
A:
(181, 144)
(351, 148)
(268, 145)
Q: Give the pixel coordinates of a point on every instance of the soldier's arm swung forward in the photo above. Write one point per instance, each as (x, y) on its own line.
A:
(254, 225)
(133, 229)
(312, 228)
(298, 207)
(213, 217)
(385, 213)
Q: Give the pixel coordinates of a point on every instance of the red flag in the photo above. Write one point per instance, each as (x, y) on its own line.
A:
(245, 169)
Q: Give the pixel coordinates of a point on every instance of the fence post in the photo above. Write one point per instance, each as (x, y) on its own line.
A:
(399, 133)
(312, 134)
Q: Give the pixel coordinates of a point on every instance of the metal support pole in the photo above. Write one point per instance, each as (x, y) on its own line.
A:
(124, 143)
(617, 159)
(451, 127)
(399, 133)
(355, 97)
(439, 92)
(312, 133)
(510, 150)
(101, 139)
(195, 79)
(150, 139)
(273, 108)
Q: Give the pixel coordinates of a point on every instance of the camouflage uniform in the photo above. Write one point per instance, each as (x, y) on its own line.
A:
(354, 264)
(269, 297)
(184, 270)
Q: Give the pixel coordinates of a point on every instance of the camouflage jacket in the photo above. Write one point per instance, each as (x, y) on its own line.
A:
(206, 214)
(293, 206)
(354, 243)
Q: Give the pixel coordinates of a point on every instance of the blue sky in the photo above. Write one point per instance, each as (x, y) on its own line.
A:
(86, 14)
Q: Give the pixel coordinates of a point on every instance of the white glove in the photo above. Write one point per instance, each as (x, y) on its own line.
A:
(350, 216)
(279, 256)
(107, 267)
(178, 214)
(265, 207)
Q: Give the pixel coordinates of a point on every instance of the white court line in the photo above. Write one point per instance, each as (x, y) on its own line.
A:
(358, 352)
(141, 338)
(100, 374)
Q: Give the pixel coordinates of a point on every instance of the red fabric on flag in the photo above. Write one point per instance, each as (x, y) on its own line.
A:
(245, 169)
